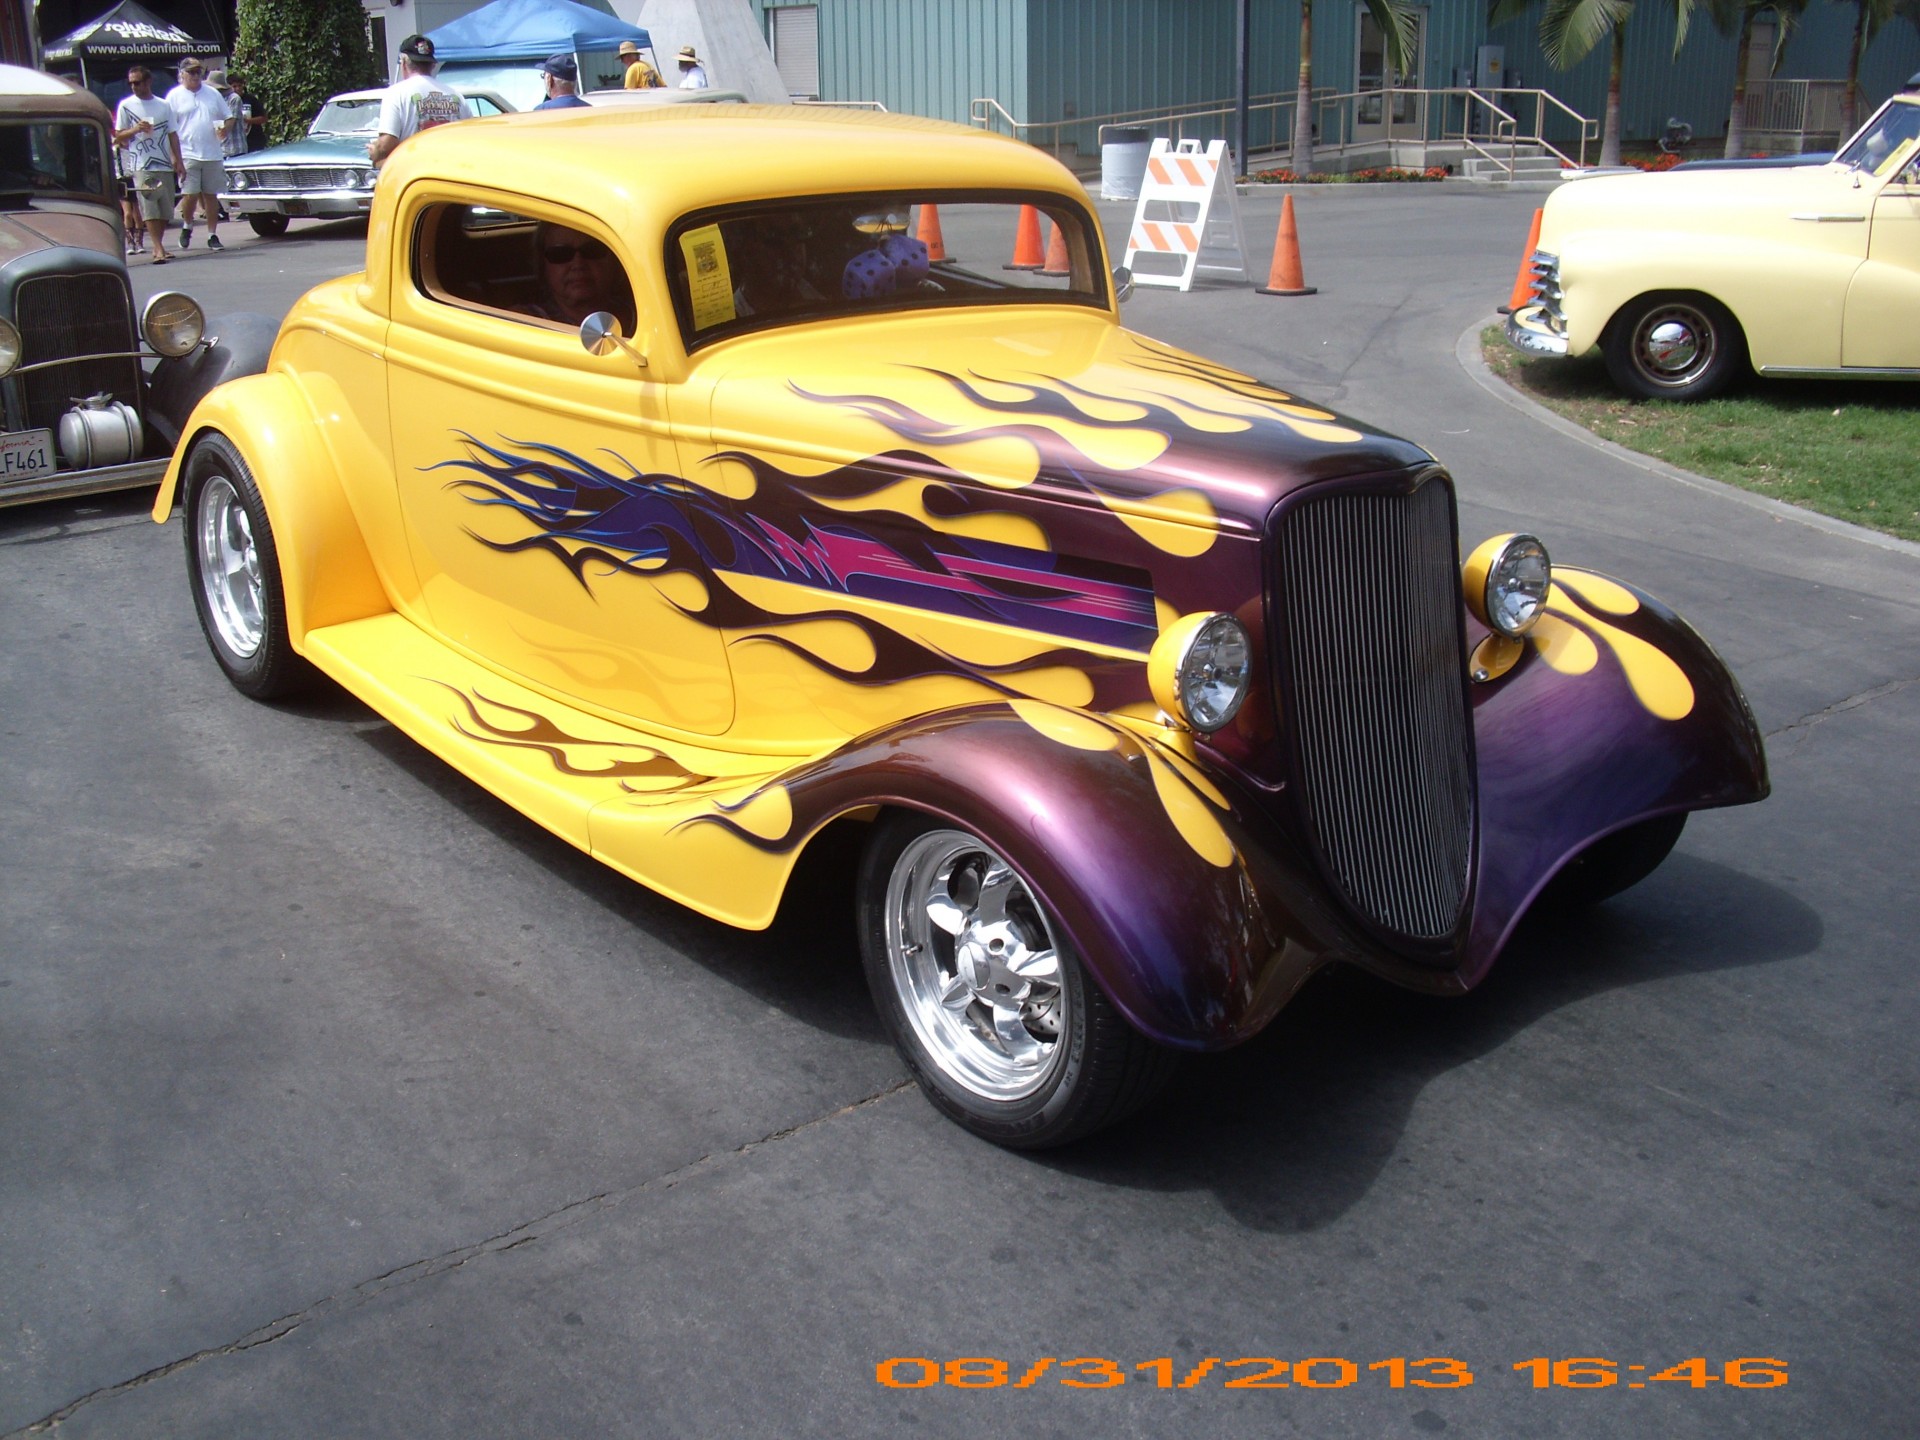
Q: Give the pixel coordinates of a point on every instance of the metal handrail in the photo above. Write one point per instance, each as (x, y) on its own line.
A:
(846, 104)
(1337, 113)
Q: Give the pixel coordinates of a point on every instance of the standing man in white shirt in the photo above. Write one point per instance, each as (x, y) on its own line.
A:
(418, 102)
(203, 121)
(144, 124)
(693, 75)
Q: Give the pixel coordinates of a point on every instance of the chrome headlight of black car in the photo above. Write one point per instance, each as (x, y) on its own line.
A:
(173, 323)
(1199, 670)
(1506, 581)
(9, 346)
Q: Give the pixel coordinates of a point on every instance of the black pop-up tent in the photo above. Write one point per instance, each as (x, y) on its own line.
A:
(127, 33)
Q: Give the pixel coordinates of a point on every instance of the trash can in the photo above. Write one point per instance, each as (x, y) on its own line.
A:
(1123, 160)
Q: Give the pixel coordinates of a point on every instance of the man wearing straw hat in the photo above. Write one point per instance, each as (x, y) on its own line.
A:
(640, 75)
(693, 75)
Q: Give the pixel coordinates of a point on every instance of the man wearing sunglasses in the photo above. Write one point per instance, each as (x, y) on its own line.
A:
(203, 119)
(579, 276)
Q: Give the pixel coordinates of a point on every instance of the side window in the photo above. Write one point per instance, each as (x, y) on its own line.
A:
(518, 267)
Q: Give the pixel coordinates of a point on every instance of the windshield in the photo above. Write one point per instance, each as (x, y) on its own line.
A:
(1888, 136)
(347, 117)
(753, 267)
(65, 157)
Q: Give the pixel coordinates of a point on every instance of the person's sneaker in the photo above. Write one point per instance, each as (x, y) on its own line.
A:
(186, 236)
(213, 243)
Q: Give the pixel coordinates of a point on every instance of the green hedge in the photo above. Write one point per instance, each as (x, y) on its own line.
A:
(294, 54)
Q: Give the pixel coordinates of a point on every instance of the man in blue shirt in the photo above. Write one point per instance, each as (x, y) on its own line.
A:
(562, 76)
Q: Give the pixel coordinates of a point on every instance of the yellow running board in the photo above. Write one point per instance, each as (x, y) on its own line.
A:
(622, 795)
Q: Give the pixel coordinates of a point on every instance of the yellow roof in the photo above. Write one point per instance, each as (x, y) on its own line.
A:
(640, 168)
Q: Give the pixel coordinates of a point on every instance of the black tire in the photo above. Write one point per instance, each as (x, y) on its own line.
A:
(268, 227)
(233, 567)
(1061, 1063)
(1672, 346)
(1615, 862)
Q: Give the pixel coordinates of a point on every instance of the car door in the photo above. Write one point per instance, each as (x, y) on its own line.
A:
(1883, 303)
(538, 481)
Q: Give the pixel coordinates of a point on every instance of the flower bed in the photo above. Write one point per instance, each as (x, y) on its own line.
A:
(1390, 175)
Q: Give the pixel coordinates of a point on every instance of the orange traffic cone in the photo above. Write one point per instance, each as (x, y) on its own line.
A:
(1523, 282)
(1026, 242)
(927, 232)
(1286, 277)
(1059, 263)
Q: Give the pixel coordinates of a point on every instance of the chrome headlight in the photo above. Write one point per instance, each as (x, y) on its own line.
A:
(173, 323)
(367, 177)
(9, 346)
(239, 179)
(1199, 670)
(1506, 582)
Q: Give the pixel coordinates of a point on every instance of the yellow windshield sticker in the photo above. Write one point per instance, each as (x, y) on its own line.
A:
(709, 280)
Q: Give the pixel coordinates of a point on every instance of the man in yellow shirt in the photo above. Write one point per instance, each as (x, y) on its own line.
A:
(640, 75)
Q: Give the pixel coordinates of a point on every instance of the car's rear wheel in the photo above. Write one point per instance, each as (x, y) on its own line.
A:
(1674, 347)
(986, 999)
(268, 227)
(1615, 862)
(234, 568)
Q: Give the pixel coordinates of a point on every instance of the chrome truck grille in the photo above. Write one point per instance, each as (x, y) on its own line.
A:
(1372, 685)
(74, 315)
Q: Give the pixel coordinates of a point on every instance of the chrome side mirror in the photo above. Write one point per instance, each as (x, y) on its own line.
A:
(1122, 284)
(600, 335)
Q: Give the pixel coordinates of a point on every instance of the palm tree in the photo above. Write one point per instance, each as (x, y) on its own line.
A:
(1730, 16)
(1869, 16)
(1397, 22)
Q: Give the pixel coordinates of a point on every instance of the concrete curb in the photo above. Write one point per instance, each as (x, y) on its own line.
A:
(1467, 351)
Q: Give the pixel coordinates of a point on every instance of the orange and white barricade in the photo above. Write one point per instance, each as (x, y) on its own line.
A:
(1188, 219)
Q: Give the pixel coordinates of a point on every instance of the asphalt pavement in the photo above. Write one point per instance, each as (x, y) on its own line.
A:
(337, 1099)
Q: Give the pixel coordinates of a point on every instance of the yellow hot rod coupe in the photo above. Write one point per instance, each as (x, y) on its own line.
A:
(1691, 279)
(657, 477)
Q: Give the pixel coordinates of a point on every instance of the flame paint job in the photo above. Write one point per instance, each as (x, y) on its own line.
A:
(686, 636)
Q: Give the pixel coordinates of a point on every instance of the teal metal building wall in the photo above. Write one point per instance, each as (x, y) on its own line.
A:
(1070, 60)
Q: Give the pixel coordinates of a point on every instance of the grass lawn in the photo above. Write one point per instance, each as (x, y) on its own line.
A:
(1850, 449)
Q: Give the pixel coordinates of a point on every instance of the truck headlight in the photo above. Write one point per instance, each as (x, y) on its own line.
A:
(1199, 669)
(173, 323)
(9, 346)
(1506, 581)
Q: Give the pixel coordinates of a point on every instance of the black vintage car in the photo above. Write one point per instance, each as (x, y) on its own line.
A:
(94, 393)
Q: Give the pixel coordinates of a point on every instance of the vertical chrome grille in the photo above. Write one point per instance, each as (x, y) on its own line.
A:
(65, 315)
(1372, 689)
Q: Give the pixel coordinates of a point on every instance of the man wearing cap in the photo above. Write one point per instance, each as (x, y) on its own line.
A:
(640, 75)
(203, 120)
(417, 102)
(693, 75)
(562, 75)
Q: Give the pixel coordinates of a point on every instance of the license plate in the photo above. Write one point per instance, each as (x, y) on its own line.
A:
(26, 455)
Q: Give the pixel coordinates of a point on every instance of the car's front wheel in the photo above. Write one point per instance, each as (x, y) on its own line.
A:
(1674, 347)
(234, 569)
(986, 999)
(268, 227)
(1615, 862)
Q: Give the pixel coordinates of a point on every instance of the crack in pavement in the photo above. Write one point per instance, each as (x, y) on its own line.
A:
(1806, 723)
(563, 1218)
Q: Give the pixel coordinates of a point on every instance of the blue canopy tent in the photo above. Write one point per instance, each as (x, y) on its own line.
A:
(499, 46)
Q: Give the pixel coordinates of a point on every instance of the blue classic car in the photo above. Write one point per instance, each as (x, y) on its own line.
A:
(327, 174)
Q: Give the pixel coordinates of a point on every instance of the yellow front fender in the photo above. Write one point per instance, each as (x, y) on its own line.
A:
(325, 571)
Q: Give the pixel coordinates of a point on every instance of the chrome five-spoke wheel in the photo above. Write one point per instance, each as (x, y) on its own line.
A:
(985, 996)
(234, 569)
(229, 566)
(975, 965)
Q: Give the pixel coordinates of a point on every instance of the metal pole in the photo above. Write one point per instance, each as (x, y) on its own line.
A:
(1242, 48)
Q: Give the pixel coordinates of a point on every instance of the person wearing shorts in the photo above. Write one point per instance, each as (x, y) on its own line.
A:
(145, 126)
(203, 118)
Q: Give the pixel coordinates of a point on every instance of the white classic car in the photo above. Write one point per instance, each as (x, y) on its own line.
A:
(1685, 280)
